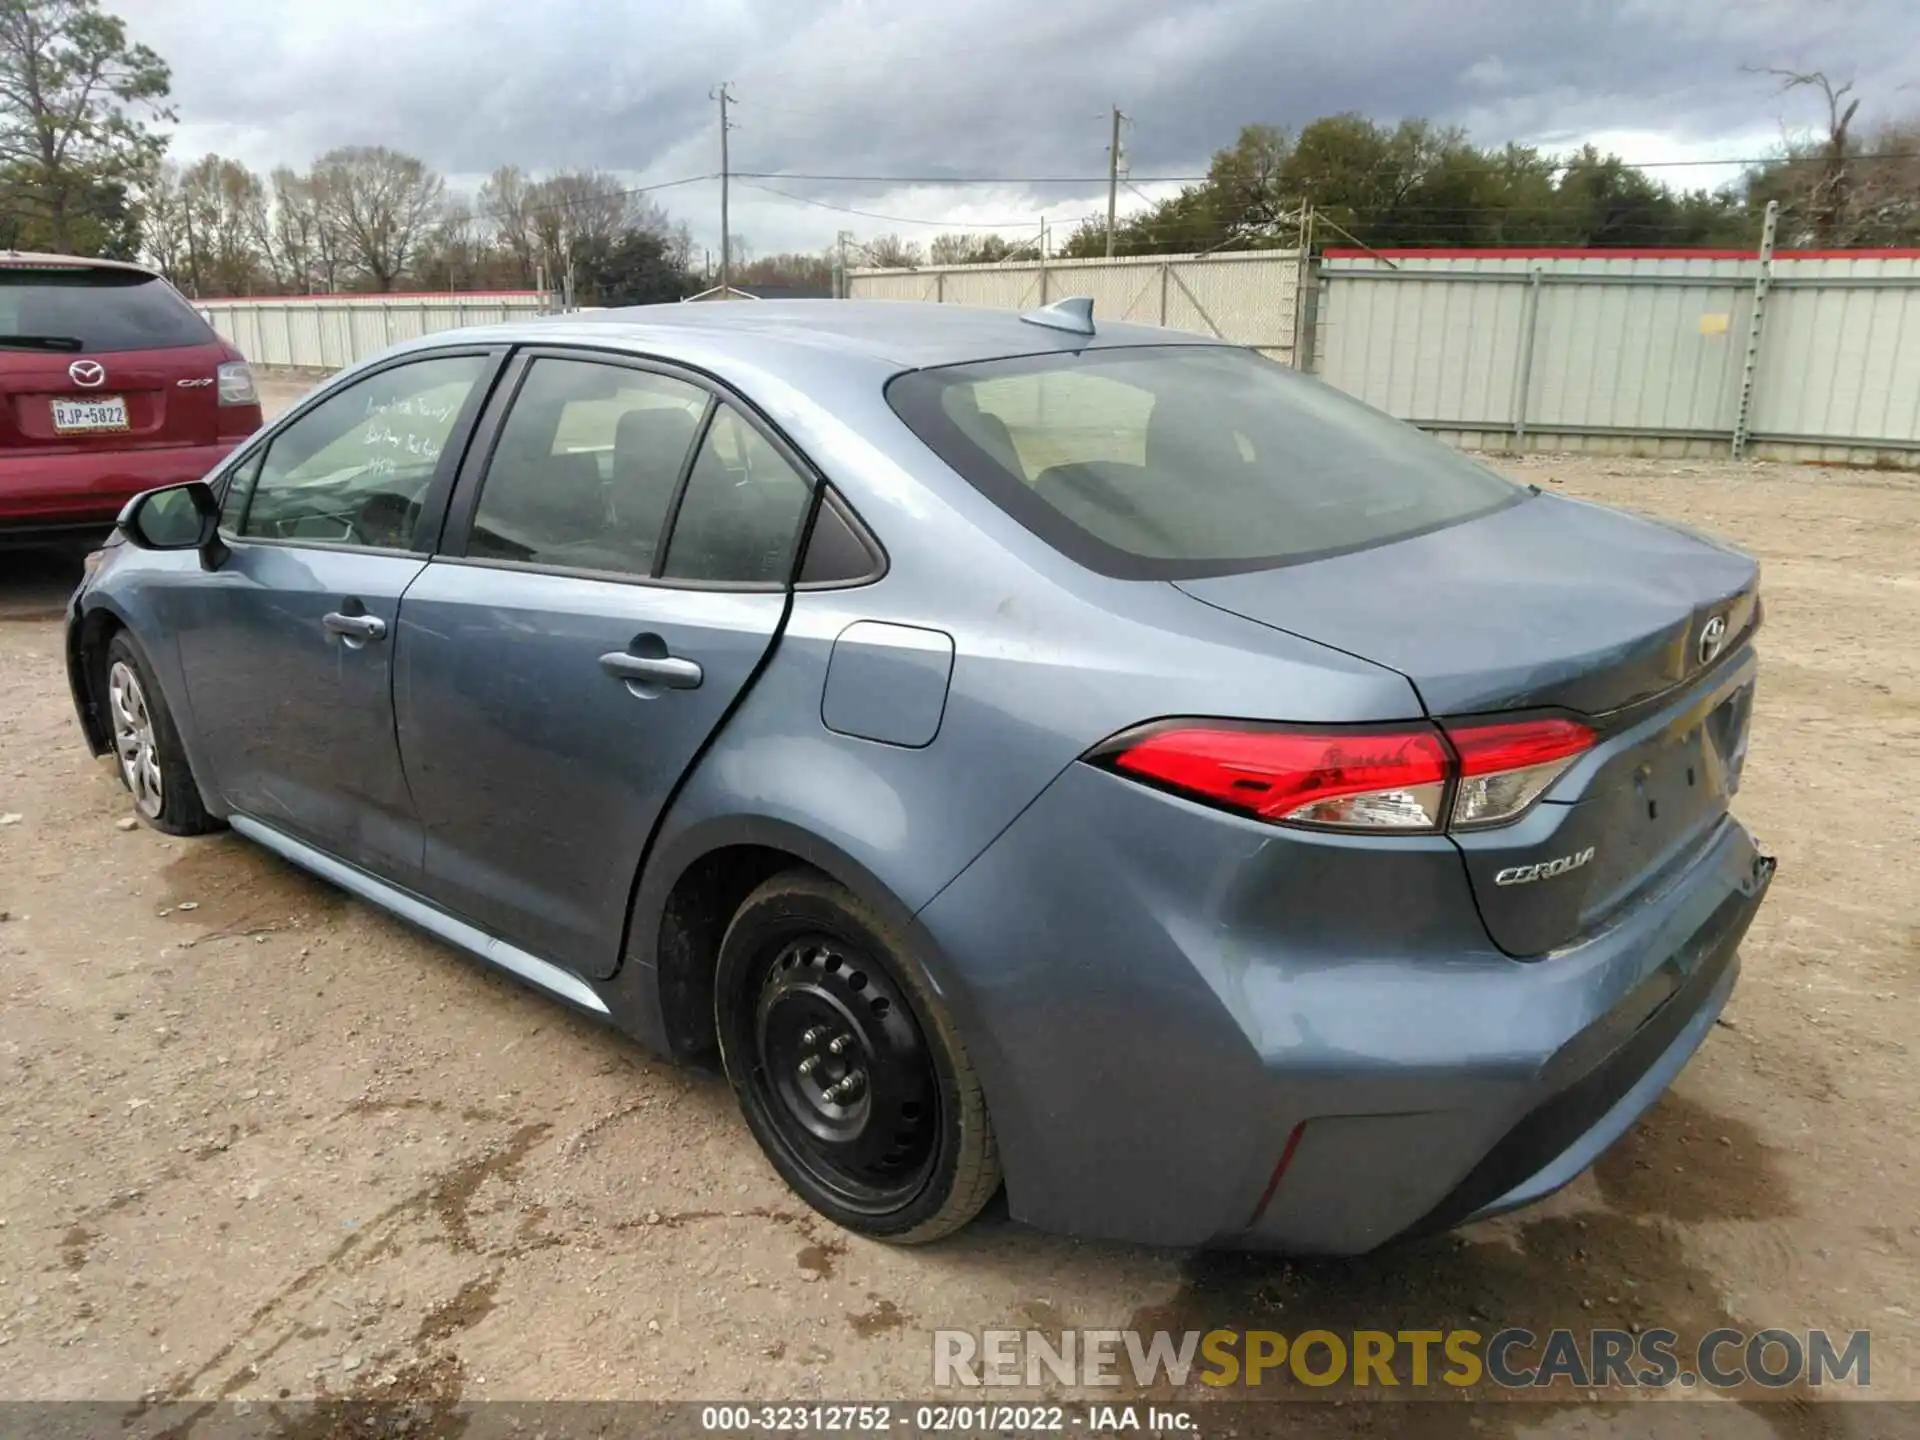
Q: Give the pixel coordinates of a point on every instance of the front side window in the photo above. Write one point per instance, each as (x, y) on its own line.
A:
(355, 469)
(238, 489)
(742, 511)
(1172, 461)
(586, 467)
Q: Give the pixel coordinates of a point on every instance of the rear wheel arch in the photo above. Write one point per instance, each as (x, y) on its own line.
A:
(693, 918)
(689, 892)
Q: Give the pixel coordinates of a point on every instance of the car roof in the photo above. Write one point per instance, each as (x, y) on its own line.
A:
(897, 333)
(37, 260)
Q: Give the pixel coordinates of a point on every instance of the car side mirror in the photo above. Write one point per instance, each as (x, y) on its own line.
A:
(179, 517)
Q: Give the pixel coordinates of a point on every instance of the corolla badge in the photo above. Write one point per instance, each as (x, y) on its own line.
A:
(1713, 635)
(87, 373)
(1545, 870)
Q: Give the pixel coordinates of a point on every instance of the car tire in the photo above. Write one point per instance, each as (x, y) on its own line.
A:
(850, 1074)
(147, 752)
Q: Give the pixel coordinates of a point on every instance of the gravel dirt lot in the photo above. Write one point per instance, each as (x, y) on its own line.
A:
(263, 1141)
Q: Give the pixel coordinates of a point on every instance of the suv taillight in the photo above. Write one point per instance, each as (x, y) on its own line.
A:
(236, 384)
(1407, 778)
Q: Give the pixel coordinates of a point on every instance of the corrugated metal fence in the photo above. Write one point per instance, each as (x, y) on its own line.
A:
(1623, 351)
(1249, 297)
(328, 331)
(1634, 352)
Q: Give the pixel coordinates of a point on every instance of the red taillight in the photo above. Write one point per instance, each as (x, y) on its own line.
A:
(1355, 778)
(1345, 777)
(1505, 766)
(1517, 744)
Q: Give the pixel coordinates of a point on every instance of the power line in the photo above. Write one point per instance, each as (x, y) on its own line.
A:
(961, 179)
(1548, 162)
(574, 201)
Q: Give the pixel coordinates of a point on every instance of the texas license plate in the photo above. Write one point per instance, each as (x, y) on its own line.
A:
(96, 412)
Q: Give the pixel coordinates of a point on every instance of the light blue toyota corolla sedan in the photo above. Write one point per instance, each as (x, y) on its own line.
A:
(1025, 749)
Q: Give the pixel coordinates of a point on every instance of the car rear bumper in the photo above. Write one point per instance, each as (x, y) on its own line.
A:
(1166, 1002)
(44, 496)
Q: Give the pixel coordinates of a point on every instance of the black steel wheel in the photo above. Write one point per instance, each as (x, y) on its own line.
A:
(850, 1077)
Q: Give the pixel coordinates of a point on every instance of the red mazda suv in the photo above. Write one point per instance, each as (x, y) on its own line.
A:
(110, 384)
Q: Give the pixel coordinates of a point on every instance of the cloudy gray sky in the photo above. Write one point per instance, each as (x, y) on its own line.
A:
(984, 88)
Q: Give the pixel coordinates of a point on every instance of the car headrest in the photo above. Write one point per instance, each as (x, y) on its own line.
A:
(1183, 436)
(649, 444)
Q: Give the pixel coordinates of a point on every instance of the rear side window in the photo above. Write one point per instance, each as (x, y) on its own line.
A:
(99, 311)
(741, 513)
(586, 466)
(1176, 461)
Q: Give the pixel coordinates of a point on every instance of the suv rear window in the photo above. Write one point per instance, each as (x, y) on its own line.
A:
(1167, 462)
(102, 310)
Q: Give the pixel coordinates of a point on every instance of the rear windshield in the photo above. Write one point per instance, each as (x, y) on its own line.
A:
(101, 310)
(1175, 461)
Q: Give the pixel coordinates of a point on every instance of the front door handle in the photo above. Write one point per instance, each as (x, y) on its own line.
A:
(668, 670)
(355, 629)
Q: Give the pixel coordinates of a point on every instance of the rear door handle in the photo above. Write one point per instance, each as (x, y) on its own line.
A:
(668, 670)
(351, 628)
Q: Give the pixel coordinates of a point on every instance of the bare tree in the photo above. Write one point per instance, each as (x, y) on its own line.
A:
(287, 229)
(506, 207)
(455, 249)
(796, 269)
(981, 249)
(378, 205)
(890, 252)
(677, 238)
(371, 216)
(1886, 195)
(164, 226)
(221, 199)
(1828, 193)
(576, 218)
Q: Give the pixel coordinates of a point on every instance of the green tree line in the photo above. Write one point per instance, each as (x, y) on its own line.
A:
(1360, 181)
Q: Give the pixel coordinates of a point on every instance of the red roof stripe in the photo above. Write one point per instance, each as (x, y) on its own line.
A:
(1585, 252)
(464, 296)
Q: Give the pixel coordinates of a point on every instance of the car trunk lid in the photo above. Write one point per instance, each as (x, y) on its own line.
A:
(1551, 602)
(1554, 604)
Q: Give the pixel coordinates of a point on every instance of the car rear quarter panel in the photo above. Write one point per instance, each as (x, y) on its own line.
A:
(1048, 660)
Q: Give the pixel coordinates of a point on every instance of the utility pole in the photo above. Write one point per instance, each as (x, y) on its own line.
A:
(842, 287)
(726, 240)
(1113, 177)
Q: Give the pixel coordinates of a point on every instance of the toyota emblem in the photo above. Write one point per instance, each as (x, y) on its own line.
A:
(87, 373)
(1712, 636)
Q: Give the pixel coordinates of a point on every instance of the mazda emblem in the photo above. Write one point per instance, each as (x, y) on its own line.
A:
(87, 373)
(1712, 636)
